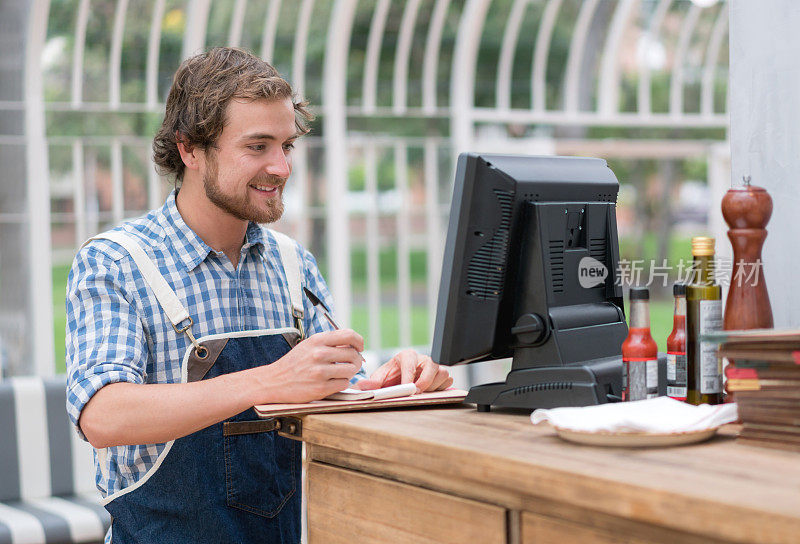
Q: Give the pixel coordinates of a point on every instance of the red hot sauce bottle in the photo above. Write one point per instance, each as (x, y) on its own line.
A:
(639, 351)
(676, 347)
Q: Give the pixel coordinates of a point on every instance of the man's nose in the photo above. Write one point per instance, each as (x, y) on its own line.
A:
(279, 164)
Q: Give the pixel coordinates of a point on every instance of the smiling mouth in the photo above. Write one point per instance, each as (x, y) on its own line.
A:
(266, 189)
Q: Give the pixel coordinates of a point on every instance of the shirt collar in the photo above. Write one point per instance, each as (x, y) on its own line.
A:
(255, 235)
(256, 238)
(190, 248)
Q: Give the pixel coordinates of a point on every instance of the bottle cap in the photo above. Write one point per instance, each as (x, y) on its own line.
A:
(639, 293)
(702, 246)
(679, 289)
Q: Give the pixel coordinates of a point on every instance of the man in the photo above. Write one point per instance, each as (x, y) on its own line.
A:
(180, 321)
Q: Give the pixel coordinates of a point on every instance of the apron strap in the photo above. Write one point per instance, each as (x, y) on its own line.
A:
(291, 266)
(169, 301)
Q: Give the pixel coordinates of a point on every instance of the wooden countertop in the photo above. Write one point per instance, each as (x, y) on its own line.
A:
(720, 489)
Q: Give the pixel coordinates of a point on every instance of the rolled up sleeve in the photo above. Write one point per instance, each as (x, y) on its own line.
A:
(105, 339)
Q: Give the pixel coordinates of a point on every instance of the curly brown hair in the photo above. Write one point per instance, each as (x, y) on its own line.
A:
(198, 102)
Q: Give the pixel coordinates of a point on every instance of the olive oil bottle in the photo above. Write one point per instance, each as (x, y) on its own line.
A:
(703, 314)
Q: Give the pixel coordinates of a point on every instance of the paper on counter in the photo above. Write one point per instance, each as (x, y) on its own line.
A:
(402, 390)
(658, 415)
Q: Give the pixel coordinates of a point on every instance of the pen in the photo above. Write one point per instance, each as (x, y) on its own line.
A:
(319, 305)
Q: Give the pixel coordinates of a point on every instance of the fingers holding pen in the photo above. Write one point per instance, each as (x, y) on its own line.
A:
(339, 355)
(341, 371)
(341, 337)
(316, 367)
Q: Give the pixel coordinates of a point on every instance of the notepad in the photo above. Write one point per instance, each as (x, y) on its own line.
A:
(428, 399)
(394, 391)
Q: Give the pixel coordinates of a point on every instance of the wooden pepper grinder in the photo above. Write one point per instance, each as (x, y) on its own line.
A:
(747, 211)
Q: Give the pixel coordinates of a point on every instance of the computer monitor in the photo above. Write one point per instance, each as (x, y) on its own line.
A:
(529, 272)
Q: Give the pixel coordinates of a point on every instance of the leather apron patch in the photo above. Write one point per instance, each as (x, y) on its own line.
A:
(199, 367)
(292, 338)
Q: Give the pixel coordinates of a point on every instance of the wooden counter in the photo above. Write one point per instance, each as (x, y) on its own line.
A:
(456, 475)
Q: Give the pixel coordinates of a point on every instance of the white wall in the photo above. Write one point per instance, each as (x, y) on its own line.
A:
(764, 91)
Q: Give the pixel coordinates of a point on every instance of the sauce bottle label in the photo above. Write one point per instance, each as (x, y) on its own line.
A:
(639, 378)
(676, 375)
(710, 374)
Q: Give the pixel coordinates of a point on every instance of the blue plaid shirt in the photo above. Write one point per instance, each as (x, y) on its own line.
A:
(117, 331)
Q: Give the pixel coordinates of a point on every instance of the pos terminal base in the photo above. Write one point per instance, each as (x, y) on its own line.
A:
(582, 384)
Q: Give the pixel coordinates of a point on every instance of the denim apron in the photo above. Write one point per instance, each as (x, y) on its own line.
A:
(236, 481)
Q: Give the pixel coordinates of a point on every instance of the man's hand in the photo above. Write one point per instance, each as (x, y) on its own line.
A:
(408, 366)
(130, 413)
(318, 366)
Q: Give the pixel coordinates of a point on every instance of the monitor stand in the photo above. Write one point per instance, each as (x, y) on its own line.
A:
(580, 384)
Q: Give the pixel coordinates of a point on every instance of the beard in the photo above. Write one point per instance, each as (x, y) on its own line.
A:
(240, 206)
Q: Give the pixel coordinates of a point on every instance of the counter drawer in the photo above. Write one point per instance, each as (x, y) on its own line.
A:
(537, 529)
(345, 506)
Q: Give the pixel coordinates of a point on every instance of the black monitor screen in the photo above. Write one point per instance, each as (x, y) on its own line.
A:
(530, 262)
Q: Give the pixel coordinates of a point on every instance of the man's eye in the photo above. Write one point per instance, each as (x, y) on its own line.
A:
(289, 146)
(257, 147)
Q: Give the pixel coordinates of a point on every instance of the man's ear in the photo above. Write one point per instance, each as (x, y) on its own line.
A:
(190, 155)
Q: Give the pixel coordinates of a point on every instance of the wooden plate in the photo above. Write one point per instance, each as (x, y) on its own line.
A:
(635, 440)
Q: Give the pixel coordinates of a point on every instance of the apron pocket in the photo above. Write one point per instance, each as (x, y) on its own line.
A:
(260, 472)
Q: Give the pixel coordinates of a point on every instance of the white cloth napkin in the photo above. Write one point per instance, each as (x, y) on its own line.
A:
(658, 415)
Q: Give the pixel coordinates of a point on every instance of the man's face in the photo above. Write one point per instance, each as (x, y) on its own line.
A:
(246, 174)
